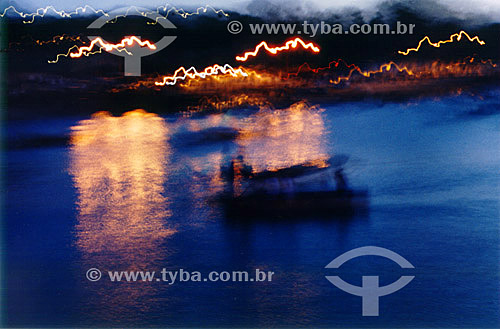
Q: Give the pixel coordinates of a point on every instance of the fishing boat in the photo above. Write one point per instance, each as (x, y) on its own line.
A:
(298, 191)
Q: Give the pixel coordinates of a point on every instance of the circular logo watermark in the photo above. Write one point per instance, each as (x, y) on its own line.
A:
(370, 291)
(234, 27)
(133, 55)
(93, 274)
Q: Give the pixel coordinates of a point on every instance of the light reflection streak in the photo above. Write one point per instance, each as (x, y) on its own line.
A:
(119, 169)
(275, 139)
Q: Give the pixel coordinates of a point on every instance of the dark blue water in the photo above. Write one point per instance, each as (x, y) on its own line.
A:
(135, 193)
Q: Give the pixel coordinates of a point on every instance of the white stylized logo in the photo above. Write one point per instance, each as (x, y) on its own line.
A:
(134, 54)
(370, 291)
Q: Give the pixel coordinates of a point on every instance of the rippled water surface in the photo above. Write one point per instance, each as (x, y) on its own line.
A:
(137, 192)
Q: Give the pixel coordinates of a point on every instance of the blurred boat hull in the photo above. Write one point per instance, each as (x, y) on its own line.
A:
(301, 204)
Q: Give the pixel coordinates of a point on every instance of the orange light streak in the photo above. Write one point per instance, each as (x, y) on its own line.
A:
(439, 43)
(129, 41)
(384, 67)
(353, 68)
(216, 69)
(274, 50)
(87, 50)
(57, 39)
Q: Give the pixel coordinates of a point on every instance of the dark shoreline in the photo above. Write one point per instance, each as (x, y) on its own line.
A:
(82, 102)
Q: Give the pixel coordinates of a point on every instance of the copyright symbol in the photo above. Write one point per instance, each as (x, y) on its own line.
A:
(234, 27)
(93, 274)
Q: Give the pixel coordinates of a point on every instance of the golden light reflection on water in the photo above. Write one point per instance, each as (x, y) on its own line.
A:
(119, 168)
(275, 139)
(118, 165)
